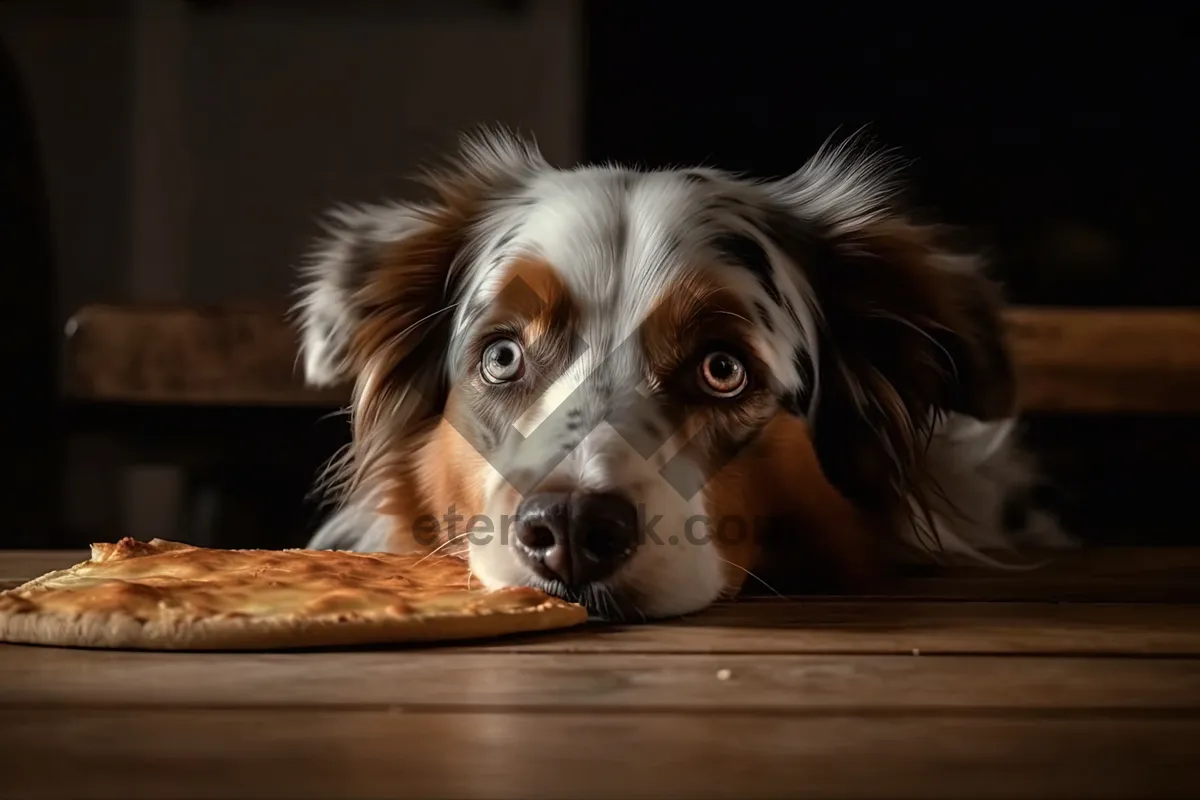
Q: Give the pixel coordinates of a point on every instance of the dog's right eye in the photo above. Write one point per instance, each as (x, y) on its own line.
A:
(502, 361)
(722, 375)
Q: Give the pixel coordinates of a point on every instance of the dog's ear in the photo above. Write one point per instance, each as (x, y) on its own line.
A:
(376, 265)
(908, 331)
(379, 288)
(379, 268)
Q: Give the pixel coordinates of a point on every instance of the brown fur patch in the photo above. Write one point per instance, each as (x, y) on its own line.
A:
(400, 337)
(446, 479)
(795, 531)
(533, 298)
(437, 492)
(694, 309)
(534, 308)
(695, 316)
(772, 510)
(943, 293)
(451, 472)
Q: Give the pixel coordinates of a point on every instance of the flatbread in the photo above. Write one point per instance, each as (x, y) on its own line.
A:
(162, 595)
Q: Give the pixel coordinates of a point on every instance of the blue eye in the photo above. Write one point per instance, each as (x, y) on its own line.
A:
(503, 361)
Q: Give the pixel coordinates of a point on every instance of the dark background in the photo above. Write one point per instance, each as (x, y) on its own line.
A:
(1061, 135)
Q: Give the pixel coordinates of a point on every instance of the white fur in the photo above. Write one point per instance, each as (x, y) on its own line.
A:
(618, 239)
(979, 465)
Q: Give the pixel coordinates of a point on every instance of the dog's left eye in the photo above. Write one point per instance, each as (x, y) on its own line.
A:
(503, 361)
(722, 375)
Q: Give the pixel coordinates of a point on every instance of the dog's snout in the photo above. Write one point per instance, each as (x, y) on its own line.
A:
(576, 537)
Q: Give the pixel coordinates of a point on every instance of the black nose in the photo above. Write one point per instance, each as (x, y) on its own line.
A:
(575, 537)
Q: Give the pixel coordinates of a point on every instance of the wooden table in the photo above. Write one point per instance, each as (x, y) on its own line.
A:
(1079, 680)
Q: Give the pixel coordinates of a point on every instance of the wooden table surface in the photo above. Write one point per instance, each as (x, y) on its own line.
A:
(1078, 680)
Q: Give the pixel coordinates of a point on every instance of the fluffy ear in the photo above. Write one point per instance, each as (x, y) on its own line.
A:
(378, 267)
(381, 283)
(908, 331)
(368, 253)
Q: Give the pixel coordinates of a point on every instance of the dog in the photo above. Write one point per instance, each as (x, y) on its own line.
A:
(644, 390)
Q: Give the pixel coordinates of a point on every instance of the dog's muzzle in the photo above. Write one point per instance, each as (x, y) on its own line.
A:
(576, 538)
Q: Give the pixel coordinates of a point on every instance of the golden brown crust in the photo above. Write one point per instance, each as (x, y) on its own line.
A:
(170, 596)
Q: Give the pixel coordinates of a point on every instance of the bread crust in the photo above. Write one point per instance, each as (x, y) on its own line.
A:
(162, 595)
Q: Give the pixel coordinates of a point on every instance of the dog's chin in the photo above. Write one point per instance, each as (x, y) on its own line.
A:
(603, 603)
(640, 591)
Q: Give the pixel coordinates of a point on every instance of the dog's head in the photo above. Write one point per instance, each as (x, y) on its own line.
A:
(604, 382)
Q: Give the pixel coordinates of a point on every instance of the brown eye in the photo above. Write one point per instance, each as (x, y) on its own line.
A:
(722, 375)
(502, 361)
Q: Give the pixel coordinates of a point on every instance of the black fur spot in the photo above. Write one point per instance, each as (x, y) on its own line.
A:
(804, 365)
(797, 402)
(791, 311)
(674, 243)
(793, 403)
(750, 254)
(508, 236)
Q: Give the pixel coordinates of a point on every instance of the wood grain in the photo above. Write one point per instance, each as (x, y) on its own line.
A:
(898, 627)
(460, 679)
(1098, 574)
(1076, 360)
(209, 753)
(893, 698)
(18, 566)
(1104, 361)
(187, 356)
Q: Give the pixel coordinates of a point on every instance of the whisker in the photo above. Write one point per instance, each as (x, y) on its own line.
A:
(752, 575)
(396, 339)
(637, 610)
(612, 609)
(596, 596)
(735, 315)
(593, 598)
(442, 546)
(425, 319)
(880, 314)
(340, 412)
